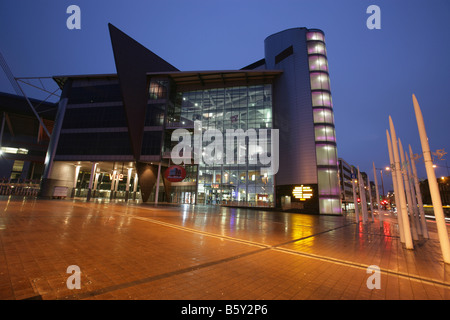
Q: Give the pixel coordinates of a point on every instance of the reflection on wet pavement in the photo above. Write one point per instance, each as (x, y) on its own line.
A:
(135, 251)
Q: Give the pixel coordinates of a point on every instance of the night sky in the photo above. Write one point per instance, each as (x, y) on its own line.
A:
(373, 72)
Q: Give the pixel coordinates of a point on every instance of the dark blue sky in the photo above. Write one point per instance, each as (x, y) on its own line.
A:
(373, 72)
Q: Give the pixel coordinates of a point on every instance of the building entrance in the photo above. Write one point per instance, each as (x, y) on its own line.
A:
(219, 193)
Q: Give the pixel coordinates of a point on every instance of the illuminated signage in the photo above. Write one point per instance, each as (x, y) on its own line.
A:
(175, 173)
(263, 197)
(116, 176)
(302, 193)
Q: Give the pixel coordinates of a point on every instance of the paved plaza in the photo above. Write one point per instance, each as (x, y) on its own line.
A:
(139, 251)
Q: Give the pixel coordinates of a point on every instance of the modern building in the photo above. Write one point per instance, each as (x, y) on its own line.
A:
(345, 181)
(114, 133)
(23, 143)
(444, 191)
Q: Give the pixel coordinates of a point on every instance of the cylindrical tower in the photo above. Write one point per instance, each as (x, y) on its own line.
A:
(303, 112)
(325, 136)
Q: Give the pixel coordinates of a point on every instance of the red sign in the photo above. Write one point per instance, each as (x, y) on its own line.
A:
(175, 173)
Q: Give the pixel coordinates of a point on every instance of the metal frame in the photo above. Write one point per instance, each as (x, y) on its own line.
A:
(19, 91)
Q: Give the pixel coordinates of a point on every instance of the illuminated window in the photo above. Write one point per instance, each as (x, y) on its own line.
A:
(315, 36)
(319, 81)
(321, 99)
(158, 89)
(14, 150)
(18, 166)
(328, 182)
(324, 133)
(326, 155)
(323, 116)
(330, 206)
(316, 47)
(318, 63)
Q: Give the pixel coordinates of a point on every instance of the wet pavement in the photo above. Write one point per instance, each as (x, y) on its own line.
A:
(139, 251)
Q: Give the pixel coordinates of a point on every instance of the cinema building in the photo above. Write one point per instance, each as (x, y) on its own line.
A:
(112, 136)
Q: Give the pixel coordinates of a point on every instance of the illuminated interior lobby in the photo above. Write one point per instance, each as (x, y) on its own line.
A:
(112, 133)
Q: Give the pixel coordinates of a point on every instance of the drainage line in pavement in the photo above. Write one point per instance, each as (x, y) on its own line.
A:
(312, 235)
(160, 276)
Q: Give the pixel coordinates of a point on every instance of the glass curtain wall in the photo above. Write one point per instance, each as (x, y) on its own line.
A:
(243, 107)
(325, 137)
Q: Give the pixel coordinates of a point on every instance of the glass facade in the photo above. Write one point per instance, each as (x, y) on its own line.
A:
(95, 120)
(241, 107)
(325, 137)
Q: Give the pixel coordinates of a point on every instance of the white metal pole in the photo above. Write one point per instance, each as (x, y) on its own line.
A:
(77, 172)
(415, 210)
(370, 197)
(401, 188)
(157, 183)
(419, 195)
(380, 214)
(96, 181)
(116, 185)
(355, 200)
(113, 180)
(409, 202)
(75, 179)
(135, 182)
(362, 195)
(127, 187)
(432, 182)
(396, 192)
(91, 180)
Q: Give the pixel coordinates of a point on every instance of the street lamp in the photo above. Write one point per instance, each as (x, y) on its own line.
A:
(381, 172)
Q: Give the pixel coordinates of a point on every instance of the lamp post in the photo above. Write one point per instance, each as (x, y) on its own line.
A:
(442, 166)
(380, 215)
(382, 183)
(370, 197)
(355, 201)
